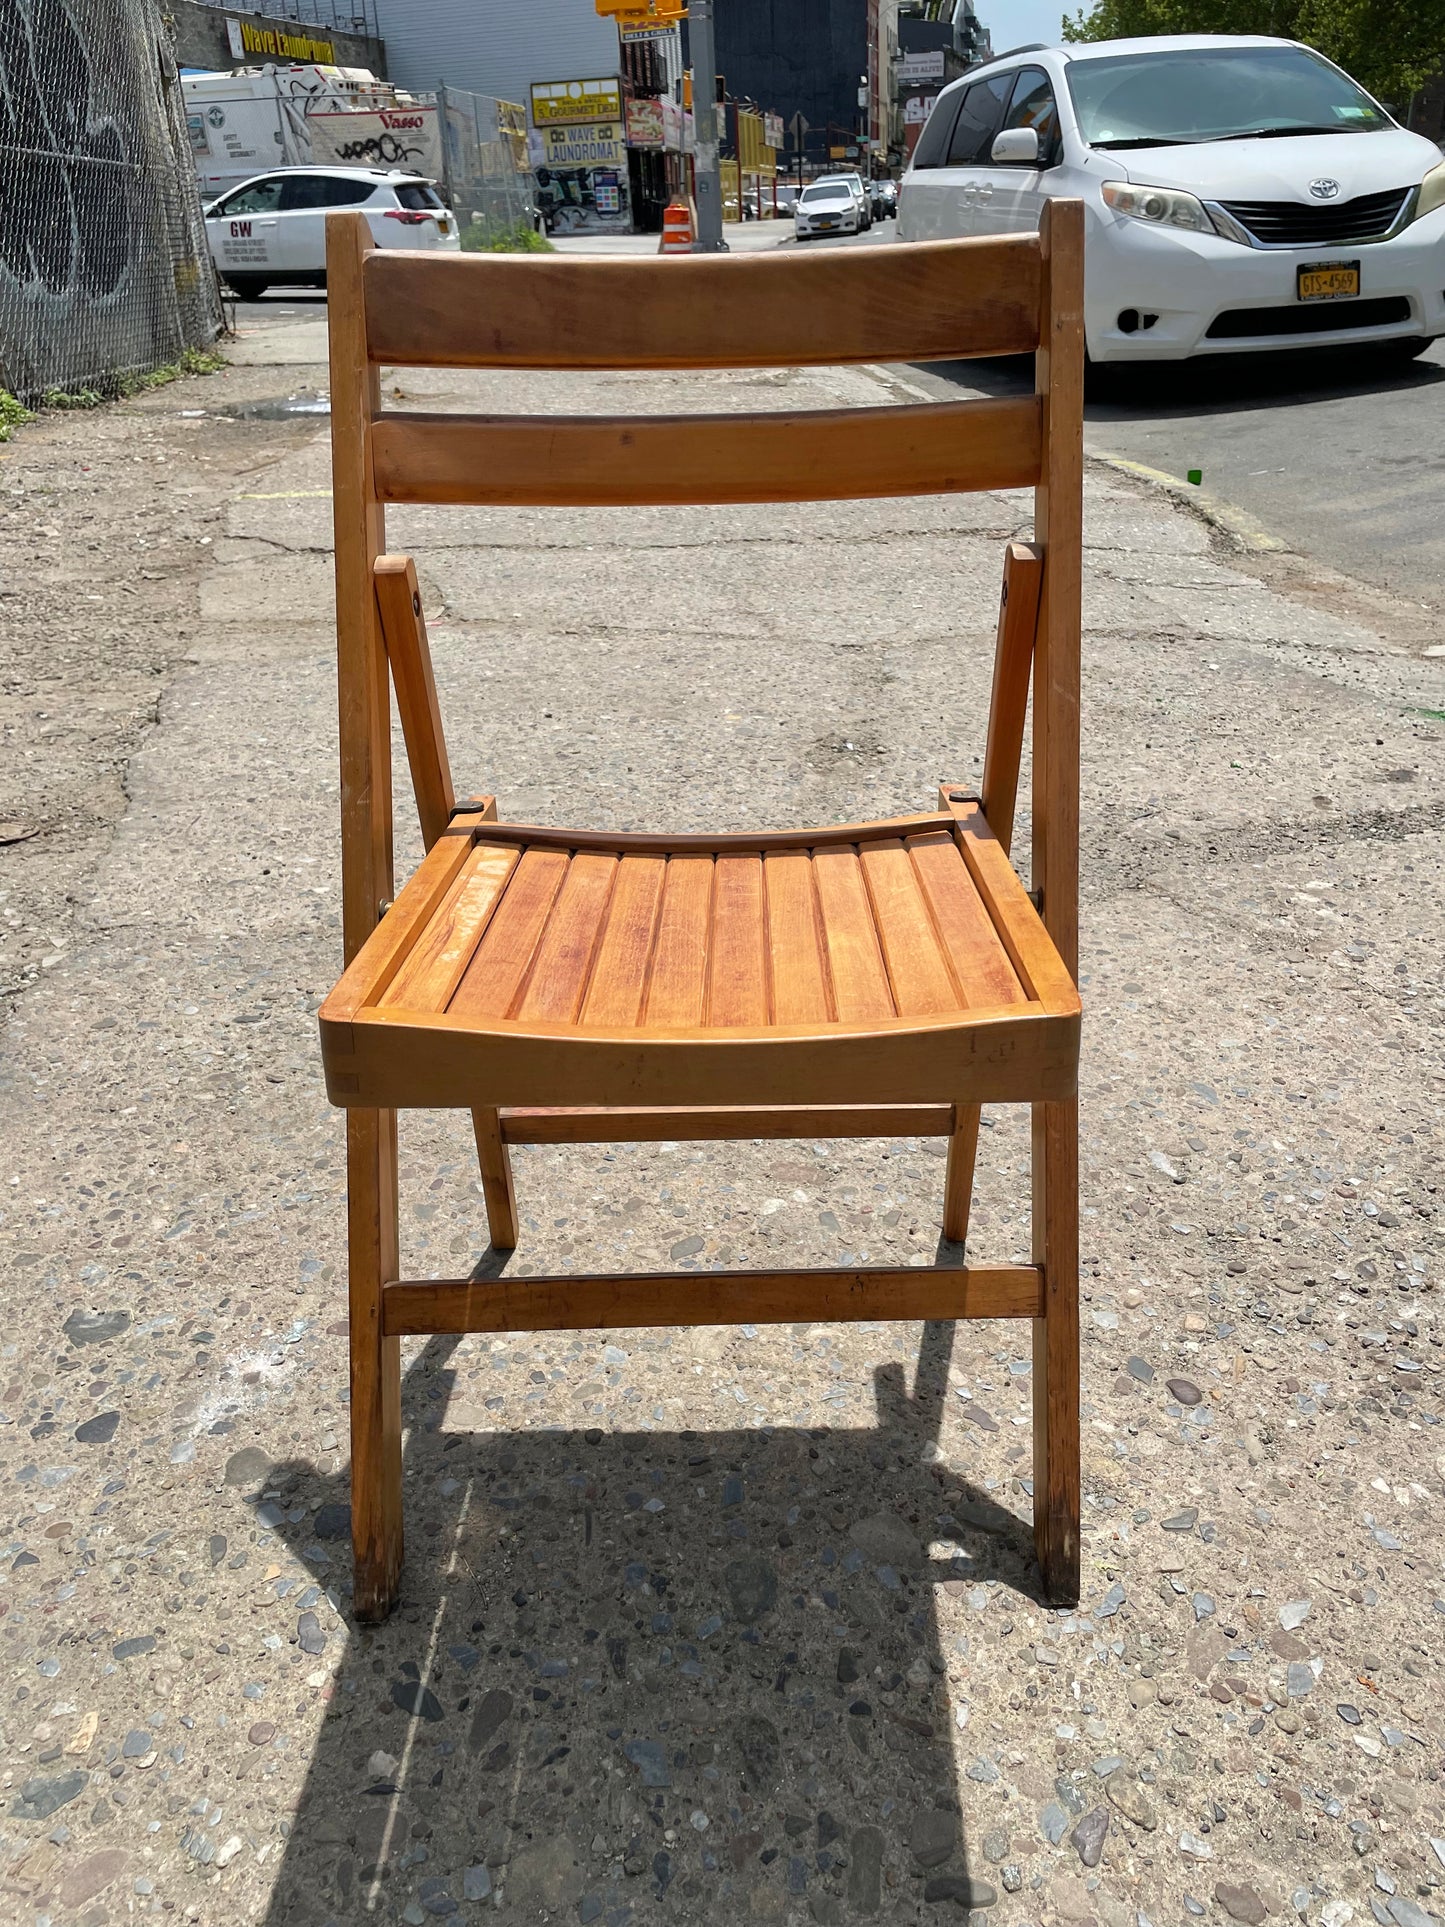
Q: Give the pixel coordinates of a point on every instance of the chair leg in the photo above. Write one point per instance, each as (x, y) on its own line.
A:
(958, 1178)
(374, 1237)
(497, 1188)
(1056, 1349)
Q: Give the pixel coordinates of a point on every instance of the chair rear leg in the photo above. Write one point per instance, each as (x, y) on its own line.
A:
(497, 1188)
(958, 1177)
(374, 1259)
(1056, 1349)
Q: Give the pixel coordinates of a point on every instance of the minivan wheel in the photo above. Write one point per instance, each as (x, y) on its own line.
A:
(248, 287)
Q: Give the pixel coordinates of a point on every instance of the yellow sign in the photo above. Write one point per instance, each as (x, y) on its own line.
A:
(292, 46)
(564, 103)
(599, 144)
(631, 14)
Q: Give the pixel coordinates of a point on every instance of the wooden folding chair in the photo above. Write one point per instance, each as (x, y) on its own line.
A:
(572, 986)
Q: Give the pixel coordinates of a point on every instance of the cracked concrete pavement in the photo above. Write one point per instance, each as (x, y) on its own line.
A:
(730, 1625)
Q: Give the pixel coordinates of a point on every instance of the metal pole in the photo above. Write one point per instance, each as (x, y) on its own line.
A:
(444, 129)
(708, 178)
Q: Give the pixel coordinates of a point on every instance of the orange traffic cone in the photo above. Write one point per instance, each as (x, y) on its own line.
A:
(679, 228)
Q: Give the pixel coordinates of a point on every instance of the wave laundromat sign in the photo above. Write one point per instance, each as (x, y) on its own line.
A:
(600, 146)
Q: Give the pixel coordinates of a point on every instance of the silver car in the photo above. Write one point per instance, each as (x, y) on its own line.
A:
(827, 207)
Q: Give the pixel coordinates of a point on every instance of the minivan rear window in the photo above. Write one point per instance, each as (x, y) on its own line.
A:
(979, 120)
(933, 141)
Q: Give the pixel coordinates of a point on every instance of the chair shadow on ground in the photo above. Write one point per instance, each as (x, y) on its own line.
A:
(646, 1675)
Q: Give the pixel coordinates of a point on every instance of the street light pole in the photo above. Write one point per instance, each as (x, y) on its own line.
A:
(707, 176)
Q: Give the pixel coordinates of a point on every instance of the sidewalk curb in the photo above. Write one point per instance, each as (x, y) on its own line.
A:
(1236, 523)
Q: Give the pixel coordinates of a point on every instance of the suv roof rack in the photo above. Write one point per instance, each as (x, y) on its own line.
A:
(1029, 47)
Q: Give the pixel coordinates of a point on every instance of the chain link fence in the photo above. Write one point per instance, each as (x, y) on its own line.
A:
(104, 267)
(486, 173)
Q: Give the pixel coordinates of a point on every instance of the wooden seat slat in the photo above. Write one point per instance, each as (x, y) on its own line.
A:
(434, 966)
(737, 989)
(985, 976)
(859, 977)
(797, 963)
(619, 977)
(677, 987)
(923, 984)
(932, 301)
(494, 978)
(557, 981)
(822, 455)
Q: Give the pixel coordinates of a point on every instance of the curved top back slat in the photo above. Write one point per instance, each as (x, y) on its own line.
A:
(934, 301)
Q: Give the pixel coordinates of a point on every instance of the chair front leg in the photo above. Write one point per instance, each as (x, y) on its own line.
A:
(1056, 1349)
(373, 1234)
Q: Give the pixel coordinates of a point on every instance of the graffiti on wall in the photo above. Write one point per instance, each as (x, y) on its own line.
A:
(65, 213)
(102, 247)
(407, 137)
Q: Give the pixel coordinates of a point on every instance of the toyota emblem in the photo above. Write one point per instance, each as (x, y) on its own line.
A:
(1324, 190)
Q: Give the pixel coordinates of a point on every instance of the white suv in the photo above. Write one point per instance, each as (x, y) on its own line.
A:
(1239, 193)
(272, 229)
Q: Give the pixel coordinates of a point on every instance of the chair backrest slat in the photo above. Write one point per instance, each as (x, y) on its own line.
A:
(930, 302)
(587, 461)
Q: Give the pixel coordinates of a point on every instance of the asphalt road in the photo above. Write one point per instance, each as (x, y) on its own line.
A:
(1342, 458)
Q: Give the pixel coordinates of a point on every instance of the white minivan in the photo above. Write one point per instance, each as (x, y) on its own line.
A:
(271, 230)
(1239, 193)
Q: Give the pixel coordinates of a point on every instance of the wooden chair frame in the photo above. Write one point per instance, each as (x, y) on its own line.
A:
(540, 1082)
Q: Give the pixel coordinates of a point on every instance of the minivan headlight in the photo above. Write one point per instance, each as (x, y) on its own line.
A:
(1163, 206)
(1432, 191)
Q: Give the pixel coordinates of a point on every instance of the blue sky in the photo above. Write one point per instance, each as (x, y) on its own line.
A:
(1015, 22)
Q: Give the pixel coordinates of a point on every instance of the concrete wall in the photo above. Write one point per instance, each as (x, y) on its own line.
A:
(495, 46)
(203, 41)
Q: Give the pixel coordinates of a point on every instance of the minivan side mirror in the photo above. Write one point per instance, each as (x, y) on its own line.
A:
(1017, 145)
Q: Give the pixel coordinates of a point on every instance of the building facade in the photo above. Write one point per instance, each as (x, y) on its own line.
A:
(493, 46)
(937, 41)
(217, 40)
(808, 57)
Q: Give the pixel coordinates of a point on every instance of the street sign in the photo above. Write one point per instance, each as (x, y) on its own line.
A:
(798, 127)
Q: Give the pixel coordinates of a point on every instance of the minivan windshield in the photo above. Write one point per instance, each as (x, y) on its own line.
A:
(1182, 95)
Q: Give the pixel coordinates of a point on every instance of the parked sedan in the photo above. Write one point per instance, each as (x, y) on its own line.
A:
(272, 228)
(827, 207)
(860, 193)
(1240, 193)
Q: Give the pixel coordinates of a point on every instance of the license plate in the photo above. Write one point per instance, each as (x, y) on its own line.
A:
(1328, 281)
(828, 221)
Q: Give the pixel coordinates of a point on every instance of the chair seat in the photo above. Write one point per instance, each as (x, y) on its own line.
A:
(544, 966)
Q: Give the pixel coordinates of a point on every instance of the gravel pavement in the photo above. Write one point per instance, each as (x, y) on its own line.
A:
(728, 1625)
